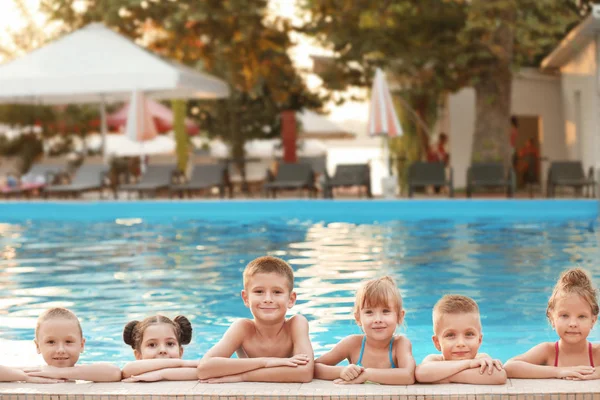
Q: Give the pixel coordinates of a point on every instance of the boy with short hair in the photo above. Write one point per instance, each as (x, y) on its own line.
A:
(457, 334)
(269, 347)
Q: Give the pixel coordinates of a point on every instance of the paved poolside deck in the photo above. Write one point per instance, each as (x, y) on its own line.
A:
(514, 389)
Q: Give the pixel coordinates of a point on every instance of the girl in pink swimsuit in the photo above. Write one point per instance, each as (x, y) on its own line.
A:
(572, 312)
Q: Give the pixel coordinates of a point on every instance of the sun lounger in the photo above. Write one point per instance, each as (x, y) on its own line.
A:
(292, 177)
(38, 176)
(256, 175)
(156, 177)
(204, 176)
(490, 175)
(570, 173)
(348, 175)
(87, 178)
(422, 174)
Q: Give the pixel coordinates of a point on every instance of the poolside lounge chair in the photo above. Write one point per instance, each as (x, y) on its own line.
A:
(570, 173)
(292, 177)
(422, 174)
(205, 176)
(38, 176)
(87, 178)
(347, 175)
(256, 175)
(490, 175)
(155, 178)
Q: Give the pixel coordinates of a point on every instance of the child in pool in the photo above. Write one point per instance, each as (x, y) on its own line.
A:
(377, 356)
(457, 335)
(572, 312)
(157, 344)
(59, 339)
(270, 347)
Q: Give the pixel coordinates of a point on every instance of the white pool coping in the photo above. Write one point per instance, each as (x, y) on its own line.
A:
(514, 389)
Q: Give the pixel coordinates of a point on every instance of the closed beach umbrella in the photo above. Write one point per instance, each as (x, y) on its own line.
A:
(383, 120)
(161, 114)
(140, 125)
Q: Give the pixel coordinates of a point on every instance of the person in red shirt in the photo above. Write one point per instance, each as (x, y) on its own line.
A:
(438, 153)
(528, 157)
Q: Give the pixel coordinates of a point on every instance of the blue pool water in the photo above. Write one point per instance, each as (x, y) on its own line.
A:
(114, 262)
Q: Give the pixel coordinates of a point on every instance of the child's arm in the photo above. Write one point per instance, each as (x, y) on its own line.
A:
(166, 374)
(434, 369)
(12, 375)
(404, 374)
(474, 376)
(326, 366)
(303, 372)
(139, 367)
(533, 365)
(100, 372)
(216, 362)
(8, 374)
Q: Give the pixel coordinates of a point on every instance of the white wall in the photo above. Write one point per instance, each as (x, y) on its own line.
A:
(533, 94)
(581, 125)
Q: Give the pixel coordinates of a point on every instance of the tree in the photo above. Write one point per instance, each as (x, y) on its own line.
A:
(435, 47)
(233, 39)
(52, 120)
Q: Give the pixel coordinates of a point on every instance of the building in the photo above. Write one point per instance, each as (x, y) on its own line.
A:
(556, 105)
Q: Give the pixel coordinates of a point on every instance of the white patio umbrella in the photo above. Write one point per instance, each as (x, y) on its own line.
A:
(96, 65)
(383, 120)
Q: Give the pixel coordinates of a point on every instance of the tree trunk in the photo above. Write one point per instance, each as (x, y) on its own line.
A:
(237, 142)
(493, 96)
(492, 122)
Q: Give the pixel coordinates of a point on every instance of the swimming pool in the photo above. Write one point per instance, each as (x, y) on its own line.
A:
(114, 262)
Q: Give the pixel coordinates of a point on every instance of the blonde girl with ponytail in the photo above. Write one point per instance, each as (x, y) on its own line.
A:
(572, 312)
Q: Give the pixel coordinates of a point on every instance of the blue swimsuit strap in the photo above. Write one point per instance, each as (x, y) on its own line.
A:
(362, 350)
(390, 353)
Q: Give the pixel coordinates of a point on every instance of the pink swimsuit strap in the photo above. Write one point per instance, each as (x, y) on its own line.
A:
(589, 351)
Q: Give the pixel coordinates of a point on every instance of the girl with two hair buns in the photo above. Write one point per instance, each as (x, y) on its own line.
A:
(572, 312)
(157, 344)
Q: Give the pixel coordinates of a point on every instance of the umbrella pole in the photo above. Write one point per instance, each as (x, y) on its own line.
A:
(103, 127)
(387, 155)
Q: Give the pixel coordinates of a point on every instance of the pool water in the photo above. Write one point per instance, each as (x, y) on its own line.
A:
(114, 262)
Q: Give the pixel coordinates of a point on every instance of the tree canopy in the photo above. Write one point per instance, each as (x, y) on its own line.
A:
(236, 40)
(432, 47)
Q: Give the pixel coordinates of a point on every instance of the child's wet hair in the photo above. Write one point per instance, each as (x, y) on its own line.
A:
(574, 281)
(267, 265)
(453, 304)
(381, 292)
(57, 313)
(133, 333)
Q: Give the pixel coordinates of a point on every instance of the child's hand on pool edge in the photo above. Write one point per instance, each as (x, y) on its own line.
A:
(351, 372)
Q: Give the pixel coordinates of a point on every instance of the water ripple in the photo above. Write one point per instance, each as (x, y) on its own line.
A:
(113, 272)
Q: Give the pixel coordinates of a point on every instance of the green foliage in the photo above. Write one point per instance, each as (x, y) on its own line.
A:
(233, 39)
(432, 47)
(27, 147)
